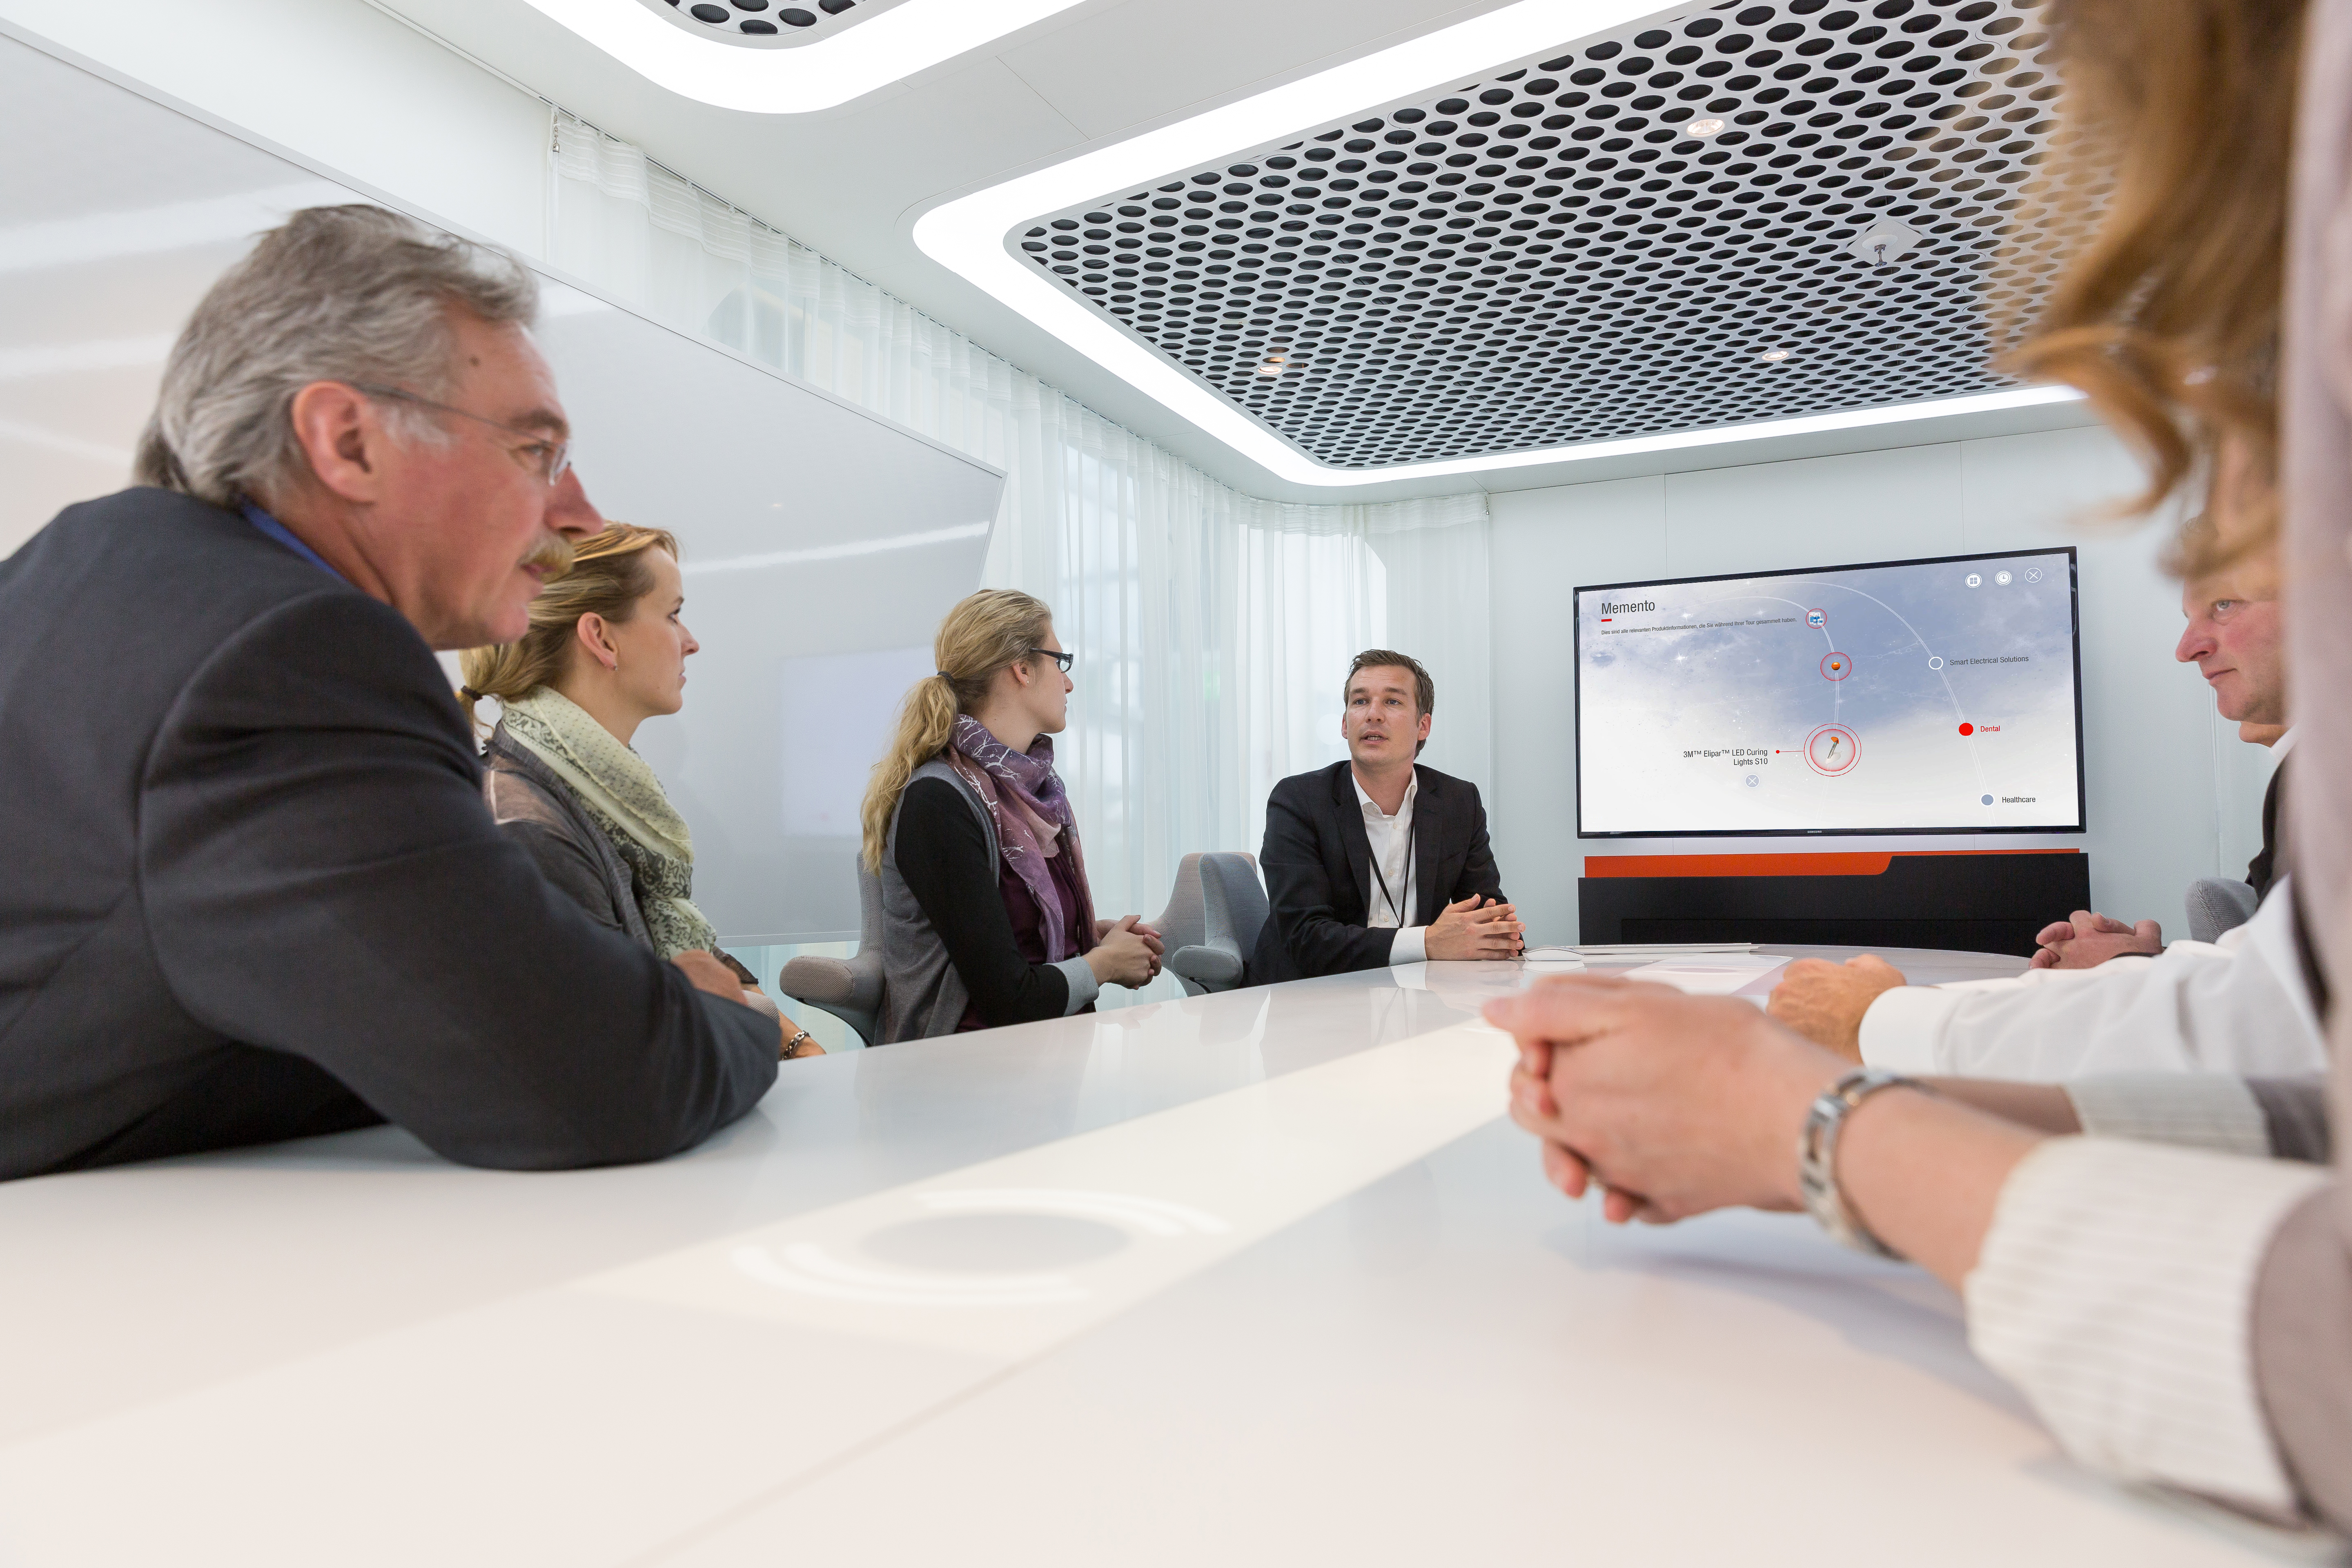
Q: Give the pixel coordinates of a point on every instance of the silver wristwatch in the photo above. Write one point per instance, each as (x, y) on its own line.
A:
(1817, 1155)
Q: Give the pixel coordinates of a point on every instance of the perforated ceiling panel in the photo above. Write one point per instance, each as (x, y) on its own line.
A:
(769, 22)
(1743, 212)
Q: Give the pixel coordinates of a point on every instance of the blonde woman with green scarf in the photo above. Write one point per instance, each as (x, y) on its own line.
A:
(606, 650)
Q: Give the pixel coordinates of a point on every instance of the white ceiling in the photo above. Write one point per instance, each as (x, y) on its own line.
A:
(849, 181)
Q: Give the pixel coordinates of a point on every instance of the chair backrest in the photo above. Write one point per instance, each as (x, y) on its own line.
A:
(1183, 921)
(1234, 899)
(2217, 904)
(1212, 920)
(848, 988)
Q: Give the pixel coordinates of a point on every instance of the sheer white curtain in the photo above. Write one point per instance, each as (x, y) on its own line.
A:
(1211, 628)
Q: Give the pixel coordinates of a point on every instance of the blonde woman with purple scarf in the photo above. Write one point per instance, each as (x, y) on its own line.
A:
(987, 918)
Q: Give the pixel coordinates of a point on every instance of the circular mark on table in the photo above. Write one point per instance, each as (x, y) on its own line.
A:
(994, 1243)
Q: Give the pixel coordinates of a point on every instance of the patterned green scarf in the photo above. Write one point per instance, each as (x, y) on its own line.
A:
(626, 800)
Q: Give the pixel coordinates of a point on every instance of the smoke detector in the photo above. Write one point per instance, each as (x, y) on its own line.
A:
(1883, 243)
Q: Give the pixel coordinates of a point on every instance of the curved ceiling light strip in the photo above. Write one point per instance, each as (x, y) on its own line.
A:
(970, 233)
(910, 36)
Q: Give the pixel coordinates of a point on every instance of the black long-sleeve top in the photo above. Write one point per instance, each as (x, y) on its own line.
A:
(990, 921)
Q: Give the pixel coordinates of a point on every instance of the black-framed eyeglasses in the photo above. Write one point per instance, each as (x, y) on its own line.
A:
(1061, 660)
(551, 459)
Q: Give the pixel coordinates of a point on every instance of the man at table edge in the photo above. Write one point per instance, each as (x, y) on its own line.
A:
(254, 894)
(2240, 1006)
(1379, 860)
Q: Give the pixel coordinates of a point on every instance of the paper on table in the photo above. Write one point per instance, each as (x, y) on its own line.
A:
(1660, 949)
(1718, 976)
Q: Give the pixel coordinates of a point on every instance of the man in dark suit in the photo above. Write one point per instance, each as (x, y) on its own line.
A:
(2263, 868)
(1378, 861)
(2236, 638)
(252, 891)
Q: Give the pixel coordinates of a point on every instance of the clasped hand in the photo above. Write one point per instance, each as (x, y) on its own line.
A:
(1126, 951)
(1674, 1104)
(2089, 939)
(706, 973)
(1475, 929)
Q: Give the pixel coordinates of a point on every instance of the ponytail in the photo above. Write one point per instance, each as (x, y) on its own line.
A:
(986, 632)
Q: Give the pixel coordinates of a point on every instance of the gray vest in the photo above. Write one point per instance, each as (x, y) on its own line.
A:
(922, 995)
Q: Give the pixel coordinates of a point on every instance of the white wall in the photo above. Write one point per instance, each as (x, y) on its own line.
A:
(338, 81)
(2173, 794)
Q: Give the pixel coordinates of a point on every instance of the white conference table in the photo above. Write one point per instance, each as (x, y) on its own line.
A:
(1258, 1277)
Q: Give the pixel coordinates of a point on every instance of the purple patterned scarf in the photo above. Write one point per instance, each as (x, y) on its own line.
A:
(1033, 822)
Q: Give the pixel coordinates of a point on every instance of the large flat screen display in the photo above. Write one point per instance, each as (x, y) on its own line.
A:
(1938, 696)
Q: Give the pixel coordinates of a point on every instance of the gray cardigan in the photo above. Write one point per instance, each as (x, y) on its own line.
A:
(540, 812)
(922, 995)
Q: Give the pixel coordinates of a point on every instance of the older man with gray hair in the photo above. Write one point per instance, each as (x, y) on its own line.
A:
(252, 891)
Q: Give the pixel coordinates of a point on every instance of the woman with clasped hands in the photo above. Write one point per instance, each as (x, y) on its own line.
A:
(987, 916)
(606, 650)
(1674, 1105)
(2173, 1292)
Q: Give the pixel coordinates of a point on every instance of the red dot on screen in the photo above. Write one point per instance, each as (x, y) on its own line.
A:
(1968, 729)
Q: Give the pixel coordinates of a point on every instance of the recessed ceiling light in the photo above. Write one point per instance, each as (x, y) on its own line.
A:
(1275, 366)
(1883, 243)
(1773, 356)
(1703, 129)
(974, 236)
(910, 36)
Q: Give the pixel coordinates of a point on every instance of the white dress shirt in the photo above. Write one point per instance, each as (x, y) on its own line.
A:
(1391, 841)
(2238, 1006)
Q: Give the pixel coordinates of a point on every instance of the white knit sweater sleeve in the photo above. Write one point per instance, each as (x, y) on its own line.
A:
(2114, 1288)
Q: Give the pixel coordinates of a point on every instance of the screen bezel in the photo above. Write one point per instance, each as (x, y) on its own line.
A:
(2074, 614)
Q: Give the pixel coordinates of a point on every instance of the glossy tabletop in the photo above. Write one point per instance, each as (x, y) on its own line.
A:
(1255, 1278)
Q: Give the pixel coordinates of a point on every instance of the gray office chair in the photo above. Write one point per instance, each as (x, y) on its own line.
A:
(2217, 904)
(848, 988)
(1213, 919)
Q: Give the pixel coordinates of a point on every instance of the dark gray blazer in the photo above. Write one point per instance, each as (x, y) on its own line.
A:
(251, 892)
(1317, 863)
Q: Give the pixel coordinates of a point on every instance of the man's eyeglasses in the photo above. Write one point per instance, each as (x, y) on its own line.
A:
(1063, 660)
(549, 459)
